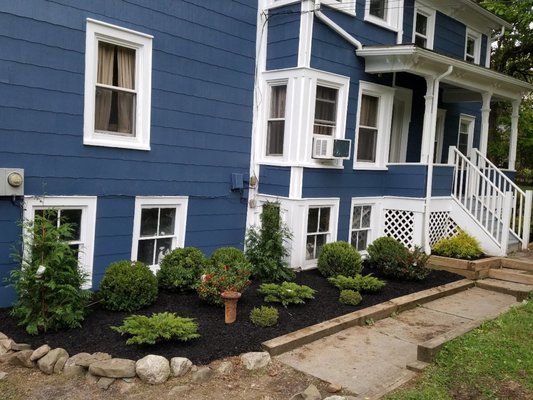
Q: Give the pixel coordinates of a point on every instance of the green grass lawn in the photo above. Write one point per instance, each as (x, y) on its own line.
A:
(492, 362)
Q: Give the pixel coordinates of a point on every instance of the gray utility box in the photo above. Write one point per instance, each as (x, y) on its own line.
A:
(11, 182)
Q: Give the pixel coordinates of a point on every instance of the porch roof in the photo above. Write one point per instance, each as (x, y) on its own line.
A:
(427, 63)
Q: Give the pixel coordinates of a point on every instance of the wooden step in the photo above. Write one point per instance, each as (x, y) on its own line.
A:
(520, 290)
(512, 275)
(524, 265)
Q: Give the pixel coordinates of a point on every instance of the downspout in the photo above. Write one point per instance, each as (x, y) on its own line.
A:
(429, 178)
(340, 31)
(489, 45)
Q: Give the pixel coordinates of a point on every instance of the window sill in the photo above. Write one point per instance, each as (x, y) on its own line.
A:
(369, 167)
(317, 165)
(121, 144)
(380, 22)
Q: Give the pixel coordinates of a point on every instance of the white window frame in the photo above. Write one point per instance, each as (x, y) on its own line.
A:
(299, 115)
(476, 36)
(385, 95)
(430, 15)
(181, 205)
(374, 219)
(142, 44)
(87, 229)
(346, 6)
(392, 19)
(471, 121)
(270, 85)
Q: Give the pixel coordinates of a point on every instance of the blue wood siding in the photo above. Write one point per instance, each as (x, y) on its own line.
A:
(10, 232)
(450, 36)
(283, 37)
(274, 180)
(483, 52)
(203, 64)
(408, 20)
(442, 181)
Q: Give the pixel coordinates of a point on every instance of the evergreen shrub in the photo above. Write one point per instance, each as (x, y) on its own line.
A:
(264, 316)
(339, 258)
(286, 293)
(181, 269)
(350, 297)
(360, 283)
(462, 245)
(227, 256)
(128, 286)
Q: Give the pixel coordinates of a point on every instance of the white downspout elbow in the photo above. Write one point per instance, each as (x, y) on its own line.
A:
(345, 35)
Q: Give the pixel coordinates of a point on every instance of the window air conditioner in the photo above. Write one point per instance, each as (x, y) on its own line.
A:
(328, 148)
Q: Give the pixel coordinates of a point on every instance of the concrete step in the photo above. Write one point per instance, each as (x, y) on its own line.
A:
(520, 290)
(512, 275)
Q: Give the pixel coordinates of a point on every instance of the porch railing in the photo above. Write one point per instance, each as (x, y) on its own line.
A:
(498, 205)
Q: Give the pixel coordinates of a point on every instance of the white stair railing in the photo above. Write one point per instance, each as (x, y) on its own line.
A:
(520, 218)
(475, 192)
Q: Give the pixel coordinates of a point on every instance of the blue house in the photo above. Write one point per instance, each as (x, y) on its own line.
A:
(160, 124)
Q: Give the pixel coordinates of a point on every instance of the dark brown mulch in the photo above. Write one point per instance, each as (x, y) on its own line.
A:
(217, 339)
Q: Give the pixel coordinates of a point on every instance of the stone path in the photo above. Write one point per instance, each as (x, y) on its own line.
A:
(370, 361)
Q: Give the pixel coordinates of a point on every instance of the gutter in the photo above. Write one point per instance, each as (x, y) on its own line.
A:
(340, 31)
(429, 176)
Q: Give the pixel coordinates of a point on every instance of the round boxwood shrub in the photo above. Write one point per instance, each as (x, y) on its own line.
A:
(350, 297)
(339, 258)
(181, 269)
(128, 286)
(461, 246)
(226, 256)
(264, 316)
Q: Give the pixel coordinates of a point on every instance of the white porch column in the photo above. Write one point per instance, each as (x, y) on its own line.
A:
(425, 156)
(514, 134)
(485, 113)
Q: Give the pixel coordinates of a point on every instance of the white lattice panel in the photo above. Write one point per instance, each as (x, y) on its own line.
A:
(399, 224)
(441, 226)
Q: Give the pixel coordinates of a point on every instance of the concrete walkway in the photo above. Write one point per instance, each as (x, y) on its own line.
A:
(370, 361)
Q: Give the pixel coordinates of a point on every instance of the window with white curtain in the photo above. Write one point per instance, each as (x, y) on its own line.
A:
(117, 87)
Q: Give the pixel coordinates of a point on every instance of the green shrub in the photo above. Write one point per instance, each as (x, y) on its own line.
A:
(49, 280)
(181, 269)
(286, 293)
(128, 286)
(339, 258)
(350, 297)
(226, 256)
(461, 246)
(264, 316)
(394, 259)
(158, 327)
(367, 283)
(233, 277)
(266, 246)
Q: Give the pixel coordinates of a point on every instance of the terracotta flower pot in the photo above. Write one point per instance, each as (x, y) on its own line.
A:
(230, 304)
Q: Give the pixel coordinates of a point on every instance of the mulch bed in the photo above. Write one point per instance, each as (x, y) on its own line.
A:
(217, 339)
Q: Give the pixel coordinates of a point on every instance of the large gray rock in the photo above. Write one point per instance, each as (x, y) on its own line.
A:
(48, 362)
(20, 346)
(255, 360)
(113, 368)
(22, 359)
(86, 359)
(7, 343)
(202, 375)
(153, 369)
(3, 336)
(40, 352)
(104, 383)
(71, 369)
(60, 364)
(179, 366)
(311, 393)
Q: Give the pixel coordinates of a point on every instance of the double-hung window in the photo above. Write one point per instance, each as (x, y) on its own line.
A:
(466, 134)
(378, 8)
(117, 87)
(318, 230)
(424, 27)
(472, 46)
(78, 211)
(373, 128)
(159, 227)
(325, 119)
(276, 120)
(385, 13)
(361, 225)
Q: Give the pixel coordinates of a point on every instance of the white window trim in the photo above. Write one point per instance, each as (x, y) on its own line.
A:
(142, 43)
(278, 3)
(471, 120)
(88, 222)
(376, 204)
(299, 115)
(346, 6)
(477, 44)
(269, 85)
(180, 202)
(430, 14)
(386, 101)
(392, 22)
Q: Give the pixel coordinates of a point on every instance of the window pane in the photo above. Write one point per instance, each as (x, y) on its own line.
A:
(463, 143)
(378, 8)
(163, 247)
(324, 219)
(275, 137)
(116, 66)
(72, 217)
(312, 220)
(49, 214)
(356, 217)
(149, 218)
(369, 111)
(366, 145)
(325, 110)
(365, 218)
(310, 247)
(320, 241)
(114, 111)
(421, 24)
(470, 46)
(75, 248)
(362, 240)
(420, 41)
(145, 251)
(277, 101)
(167, 221)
